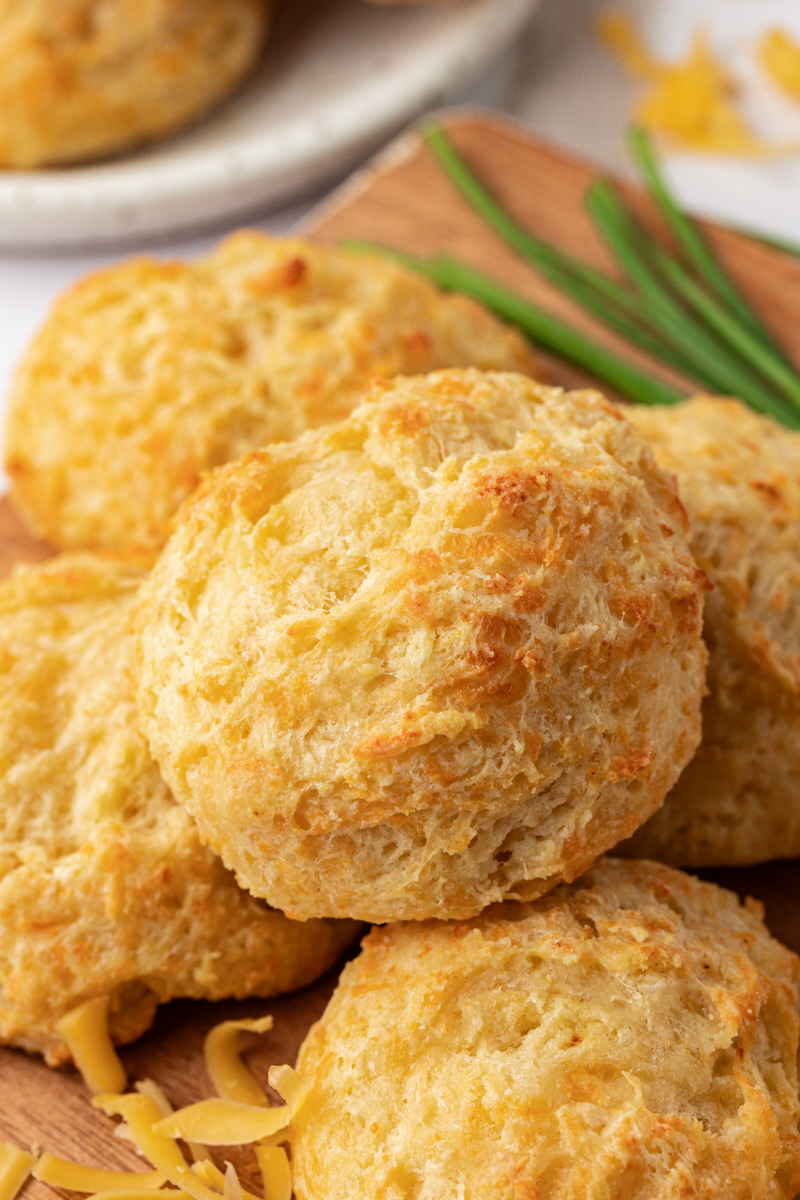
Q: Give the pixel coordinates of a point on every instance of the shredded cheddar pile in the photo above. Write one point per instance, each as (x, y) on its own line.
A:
(241, 1114)
(779, 56)
(690, 102)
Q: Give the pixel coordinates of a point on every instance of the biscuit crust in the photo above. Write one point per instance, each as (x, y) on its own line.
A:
(738, 800)
(83, 78)
(631, 1036)
(105, 886)
(149, 373)
(443, 653)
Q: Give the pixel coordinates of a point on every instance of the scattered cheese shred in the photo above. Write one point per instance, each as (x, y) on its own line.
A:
(232, 1188)
(76, 1178)
(242, 1114)
(15, 1167)
(275, 1171)
(690, 102)
(140, 1194)
(291, 1086)
(223, 1122)
(229, 1075)
(210, 1173)
(85, 1030)
(779, 55)
(148, 1087)
(141, 1114)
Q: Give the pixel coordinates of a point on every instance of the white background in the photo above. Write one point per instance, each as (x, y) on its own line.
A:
(561, 83)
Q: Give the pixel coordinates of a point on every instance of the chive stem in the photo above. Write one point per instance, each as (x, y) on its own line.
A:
(628, 242)
(691, 240)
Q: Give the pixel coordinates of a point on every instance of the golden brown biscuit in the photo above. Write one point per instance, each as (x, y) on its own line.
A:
(443, 653)
(149, 373)
(82, 78)
(738, 801)
(104, 884)
(630, 1037)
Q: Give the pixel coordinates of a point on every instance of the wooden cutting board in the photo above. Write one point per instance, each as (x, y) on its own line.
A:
(404, 201)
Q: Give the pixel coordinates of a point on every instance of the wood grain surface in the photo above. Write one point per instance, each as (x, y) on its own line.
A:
(401, 200)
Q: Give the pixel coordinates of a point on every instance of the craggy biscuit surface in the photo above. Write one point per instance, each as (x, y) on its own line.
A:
(632, 1036)
(148, 373)
(443, 653)
(104, 884)
(81, 78)
(738, 801)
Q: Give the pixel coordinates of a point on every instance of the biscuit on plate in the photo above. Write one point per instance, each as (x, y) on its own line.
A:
(148, 373)
(105, 887)
(445, 652)
(630, 1036)
(83, 78)
(738, 800)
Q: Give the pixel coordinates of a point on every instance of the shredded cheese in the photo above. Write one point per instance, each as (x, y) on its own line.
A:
(779, 55)
(85, 1030)
(224, 1122)
(139, 1194)
(690, 102)
(291, 1086)
(76, 1178)
(229, 1075)
(242, 1114)
(15, 1167)
(141, 1114)
(232, 1188)
(275, 1171)
(148, 1087)
(210, 1173)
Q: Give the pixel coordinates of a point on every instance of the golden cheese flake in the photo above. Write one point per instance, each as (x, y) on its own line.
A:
(148, 1087)
(85, 1030)
(779, 56)
(692, 103)
(275, 1172)
(219, 1122)
(15, 1167)
(59, 1172)
(141, 1114)
(231, 1078)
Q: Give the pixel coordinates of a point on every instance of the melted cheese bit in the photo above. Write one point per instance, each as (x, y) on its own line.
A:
(85, 1030)
(15, 1167)
(690, 102)
(276, 1172)
(224, 1122)
(141, 1114)
(76, 1178)
(229, 1075)
(779, 55)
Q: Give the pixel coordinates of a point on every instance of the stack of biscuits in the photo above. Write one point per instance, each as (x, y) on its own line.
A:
(355, 620)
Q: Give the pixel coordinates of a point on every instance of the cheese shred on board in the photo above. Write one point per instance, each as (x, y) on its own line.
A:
(691, 102)
(241, 1114)
(15, 1167)
(85, 1030)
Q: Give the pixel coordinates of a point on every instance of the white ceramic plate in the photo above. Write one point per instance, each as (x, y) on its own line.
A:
(338, 78)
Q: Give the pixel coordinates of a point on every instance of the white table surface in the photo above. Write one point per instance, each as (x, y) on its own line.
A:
(561, 83)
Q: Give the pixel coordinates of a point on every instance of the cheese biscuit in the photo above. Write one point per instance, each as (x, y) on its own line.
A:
(738, 800)
(445, 652)
(85, 78)
(105, 887)
(149, 373)
(632, 1036)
